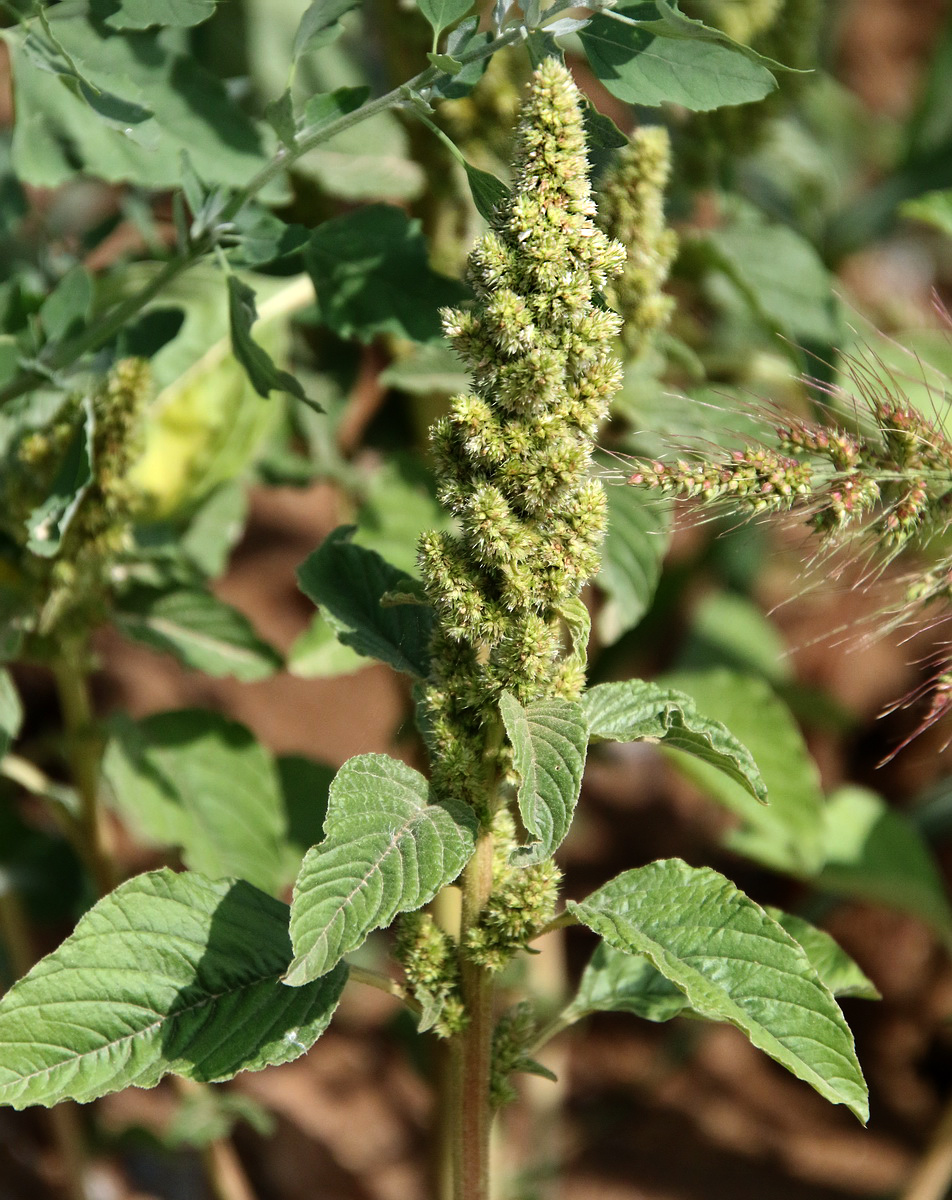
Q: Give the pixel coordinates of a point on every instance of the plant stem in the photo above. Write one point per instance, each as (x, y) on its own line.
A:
(932, 1177)
(83, 753)
(471, 1055)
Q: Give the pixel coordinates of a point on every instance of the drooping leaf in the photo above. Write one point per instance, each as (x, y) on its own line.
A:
(265, 376)
(734, 963)
(49, 522)
(201, 631)
(143, 14)
(549, 739)
(635, 545)
(167, 974)
(371, 276)
(194, 779)
(350, 583)
(635, 710)
(11, 712)
(320, 25)
(443, 13)
(786, 835)
(386, 850)
(874, 853)
(648, 66)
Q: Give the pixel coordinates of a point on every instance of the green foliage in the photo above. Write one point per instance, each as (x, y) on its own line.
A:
(734, 963)
(196, 780)
(371, 606)
(650, 54)
(387, 849)
(639, 711)
(146, 375)
(371, 276)
(158, 976)
(549, 740)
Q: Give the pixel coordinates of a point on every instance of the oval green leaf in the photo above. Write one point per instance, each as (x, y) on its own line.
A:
(386, 850)
(167, 974)
(734, 963)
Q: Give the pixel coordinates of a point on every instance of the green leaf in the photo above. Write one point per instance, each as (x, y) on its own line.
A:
(788, 834)
(371, 276)
(443, 13)
(488, 192)
(143, 14)
(317, 654)
(201, 631)
(264, 375)
(549, 739)
(66, 309)
(459, 41)
(874, 853)
(325, 107)
(349, 584)
(635, 710)
(167, 974)
(386, 850)
(179, 105)
(618, 981)
(781, 276)
(601, 132)
(305, 785)
(320, 25)
(49, 522)
(734, 963)
(281, 118)
(648, 66)
(637, 541)
(11, 712)
(729, 630)
(834, 966)
(194, 779)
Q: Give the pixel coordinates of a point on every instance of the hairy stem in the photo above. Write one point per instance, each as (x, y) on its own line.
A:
(471, 1056)
(83, 754)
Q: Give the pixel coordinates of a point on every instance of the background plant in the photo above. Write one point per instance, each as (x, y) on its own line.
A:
(90, 542)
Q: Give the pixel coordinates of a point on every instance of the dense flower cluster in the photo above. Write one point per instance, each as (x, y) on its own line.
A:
(631, 210)
(513, 455)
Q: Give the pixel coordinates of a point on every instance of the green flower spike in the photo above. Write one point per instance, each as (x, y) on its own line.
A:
(513, 456)
(631, 209)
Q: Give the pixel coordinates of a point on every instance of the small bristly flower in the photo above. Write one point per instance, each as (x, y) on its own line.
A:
(888, 480)
(513, 456)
